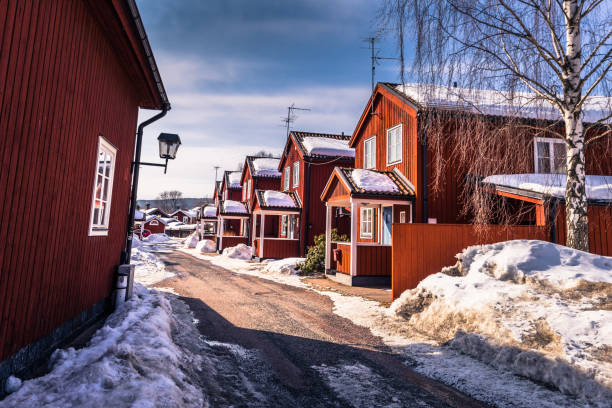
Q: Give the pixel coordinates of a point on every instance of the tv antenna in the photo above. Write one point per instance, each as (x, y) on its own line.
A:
(291, 116)
(375, 58)
(216, 169)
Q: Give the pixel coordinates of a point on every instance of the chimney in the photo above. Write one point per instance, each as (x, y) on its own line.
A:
(455, 84)
(147, 206)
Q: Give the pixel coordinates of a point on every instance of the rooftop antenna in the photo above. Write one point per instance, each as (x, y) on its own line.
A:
(216, 169)
(290, 116)
(375, 57)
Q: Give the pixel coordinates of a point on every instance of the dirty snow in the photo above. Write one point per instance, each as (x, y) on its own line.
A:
(155, 238)
(287, 266)
(597, 187)
(327, 146)
(278, 199)
(266, 167)
(149, 269)
(206, 246)
(231, 206)
(191, 241)
(240, 251)
(373, 181)
(210, 211)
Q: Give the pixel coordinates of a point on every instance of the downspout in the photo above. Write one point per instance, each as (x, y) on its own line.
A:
(424, 169)
(306, 204)
(135, 174)
(552, 215)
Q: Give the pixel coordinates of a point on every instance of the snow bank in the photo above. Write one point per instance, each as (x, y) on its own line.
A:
(132, 361)
(210, 211)
(267, 167)
(191, 241)
(234, 179)
(597, 187)
(231, 206)
(373, 181)
(154, 238)
(327, 146)
(206, 246)
(278, 199)
(508, 304)
(136, 242)
(285, 266)
(240, 251)
(149, 269)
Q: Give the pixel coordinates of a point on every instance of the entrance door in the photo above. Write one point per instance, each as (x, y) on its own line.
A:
(387, 217)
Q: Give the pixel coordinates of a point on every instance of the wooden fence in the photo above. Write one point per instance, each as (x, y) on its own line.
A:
(277, 248)
(420, 250)
(600, 228)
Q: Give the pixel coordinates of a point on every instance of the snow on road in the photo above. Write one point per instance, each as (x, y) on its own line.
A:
(486, 380)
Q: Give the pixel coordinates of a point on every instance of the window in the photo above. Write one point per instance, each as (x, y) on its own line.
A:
(402, 217)
(549, 155)
(394, 144)
(366, 224)
(296, 174)
(284, 226)
(244, 192)
(292, 221)
(287, 178)
(369, 153)
(249, 190)
(103, 188)
(154, 222)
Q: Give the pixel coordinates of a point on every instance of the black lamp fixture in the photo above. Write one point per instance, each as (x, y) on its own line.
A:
(168, 145)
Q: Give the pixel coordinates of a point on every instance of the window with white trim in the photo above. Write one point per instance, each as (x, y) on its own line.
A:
(366, 225)
(549, 155)
(296, 174)
(369, 153)
(249, 190)
(244, 192)
(287, 178)
(394, 144)
(284, 226)
(154, 222)
(103, 188)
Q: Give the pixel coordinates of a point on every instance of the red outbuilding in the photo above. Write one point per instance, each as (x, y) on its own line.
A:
(73, 75)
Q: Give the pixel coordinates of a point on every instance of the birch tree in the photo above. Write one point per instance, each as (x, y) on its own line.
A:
(558, 51)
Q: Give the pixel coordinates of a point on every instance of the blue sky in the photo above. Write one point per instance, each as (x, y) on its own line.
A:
(231, 68)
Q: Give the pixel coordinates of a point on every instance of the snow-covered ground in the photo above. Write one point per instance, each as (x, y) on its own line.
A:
(448, 347)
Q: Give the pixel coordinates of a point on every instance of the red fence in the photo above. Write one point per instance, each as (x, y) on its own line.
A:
(600, 229)
(420, 250)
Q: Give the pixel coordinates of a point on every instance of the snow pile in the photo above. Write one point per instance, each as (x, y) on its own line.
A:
(240, 251)
(206, 246)
(210, 211)
(234, 179)
(231, 206)
(139, 215)
(136, 242)
(191, 241)
(179, 226)
(597, 187)
(538, 309)
(278, 199)
(266, 167)
(327, 146)
(373, 181)
(132, 361)
(155, 238)
(149, 269)
(285, 266)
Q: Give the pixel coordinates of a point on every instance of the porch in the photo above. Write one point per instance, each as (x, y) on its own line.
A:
(230, 225)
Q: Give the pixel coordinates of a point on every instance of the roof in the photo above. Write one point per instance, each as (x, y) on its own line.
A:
(139, 215)
(188, 213)
(209, 212)
(232, 179)
(150, 218)
(322, 146)
(263, 166)
(392, 184)
(277, 200)
(231, 207)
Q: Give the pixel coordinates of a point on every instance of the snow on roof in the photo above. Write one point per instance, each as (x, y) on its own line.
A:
(327, 146)
(266, 166)
(150, 210)
(231, 206)
(139, 215)
(499, 103)
(278, 199)
(373, 181)
(210, 211)
(155, 217)
(234, 179)
(597, 187)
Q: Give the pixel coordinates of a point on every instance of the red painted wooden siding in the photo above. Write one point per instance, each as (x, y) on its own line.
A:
(61, 85)
(373, 260)
(420, 250)
(229, 241)
(600, 229)
(344, 265)
(160, 228)
(278, 248)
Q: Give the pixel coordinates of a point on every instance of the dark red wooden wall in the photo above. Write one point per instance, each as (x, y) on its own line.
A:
(61, 85)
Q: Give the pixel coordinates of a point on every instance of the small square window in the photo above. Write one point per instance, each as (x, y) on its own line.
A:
(549, 155)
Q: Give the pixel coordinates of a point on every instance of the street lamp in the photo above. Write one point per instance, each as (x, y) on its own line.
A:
(168, 145)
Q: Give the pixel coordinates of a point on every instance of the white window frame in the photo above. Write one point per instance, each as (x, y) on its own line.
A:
(249, 190)
(244, 192)
(287, 178)
(296, 174)
(372, 153)
(284, 223)
(398, 144)
(365, 221)
(101, 228)
(153, 222)
(551, 141)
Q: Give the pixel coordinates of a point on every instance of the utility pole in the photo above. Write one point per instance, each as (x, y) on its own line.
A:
(216, 169)
(290, 117)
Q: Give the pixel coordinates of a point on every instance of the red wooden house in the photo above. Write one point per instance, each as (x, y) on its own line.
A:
(155, 224)
(307, 161)
(73, 75)
(232, 216)
(392, 189)
(185, 216)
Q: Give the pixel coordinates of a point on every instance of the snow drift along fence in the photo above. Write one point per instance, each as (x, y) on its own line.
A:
(420, 250)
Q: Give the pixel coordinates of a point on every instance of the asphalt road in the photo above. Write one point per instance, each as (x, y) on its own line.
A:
(307, 355)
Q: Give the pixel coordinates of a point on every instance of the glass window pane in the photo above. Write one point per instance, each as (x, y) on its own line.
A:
(544, 165)
(105, 195)
(543, 149)
(99, 187)
(107, 165)
(102, 214)
(559, 151)
(96, 215)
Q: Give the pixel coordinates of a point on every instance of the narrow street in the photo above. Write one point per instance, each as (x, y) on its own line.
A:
(305, 354)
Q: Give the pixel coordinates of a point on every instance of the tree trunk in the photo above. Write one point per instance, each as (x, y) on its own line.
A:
(575, 191)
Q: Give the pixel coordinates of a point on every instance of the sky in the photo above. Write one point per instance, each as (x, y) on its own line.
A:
(232, 67)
